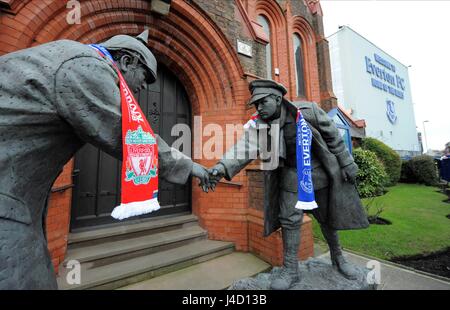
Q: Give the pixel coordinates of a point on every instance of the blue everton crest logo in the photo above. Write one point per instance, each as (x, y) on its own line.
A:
(306, 182)
(390, 111)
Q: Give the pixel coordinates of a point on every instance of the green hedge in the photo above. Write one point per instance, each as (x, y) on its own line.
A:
(390, 159)
(407, 174)
(371, 177)
(420, 169)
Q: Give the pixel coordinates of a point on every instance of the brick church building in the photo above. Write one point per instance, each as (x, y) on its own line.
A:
(208, 51)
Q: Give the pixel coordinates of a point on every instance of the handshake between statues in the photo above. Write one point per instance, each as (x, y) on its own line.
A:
(208, 177)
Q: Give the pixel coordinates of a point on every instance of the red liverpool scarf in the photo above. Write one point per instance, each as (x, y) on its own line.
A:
(140, 155)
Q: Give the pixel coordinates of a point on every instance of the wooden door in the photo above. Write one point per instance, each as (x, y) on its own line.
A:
(97, 174)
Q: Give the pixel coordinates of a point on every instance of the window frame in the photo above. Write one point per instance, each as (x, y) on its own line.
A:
(345, 126)
(268, 48)
(301, 46)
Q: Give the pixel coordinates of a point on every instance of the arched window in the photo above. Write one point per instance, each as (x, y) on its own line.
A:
(266, 27)
(299, 67)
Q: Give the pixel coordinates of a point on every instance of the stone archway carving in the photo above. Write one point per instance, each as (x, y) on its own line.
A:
(187, 41)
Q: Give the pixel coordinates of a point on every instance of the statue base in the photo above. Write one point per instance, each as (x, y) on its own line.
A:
(314, 274)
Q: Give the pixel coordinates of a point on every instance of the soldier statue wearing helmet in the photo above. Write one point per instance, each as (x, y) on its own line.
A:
(54, 98)
(128, 50)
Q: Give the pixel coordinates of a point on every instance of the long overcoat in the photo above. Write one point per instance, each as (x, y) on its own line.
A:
(53, 99)
(329, 155)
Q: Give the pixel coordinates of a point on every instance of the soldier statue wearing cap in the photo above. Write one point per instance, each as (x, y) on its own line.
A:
(333, 176)
(54, 98)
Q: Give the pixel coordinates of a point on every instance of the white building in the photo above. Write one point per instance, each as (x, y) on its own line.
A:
(374, 86)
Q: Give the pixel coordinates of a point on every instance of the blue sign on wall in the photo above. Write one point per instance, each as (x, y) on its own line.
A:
(385, 78)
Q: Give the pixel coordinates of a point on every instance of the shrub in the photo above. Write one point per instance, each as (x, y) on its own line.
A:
(407, 174)
(371, 177)
(420, 169)
(390, 159)
(373, 209)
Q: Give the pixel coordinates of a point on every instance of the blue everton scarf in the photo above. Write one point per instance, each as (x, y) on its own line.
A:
(305, 189)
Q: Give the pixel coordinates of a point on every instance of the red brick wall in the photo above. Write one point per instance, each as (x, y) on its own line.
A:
(202, 54)
(270, 248)
(58, 215)
(202, 59)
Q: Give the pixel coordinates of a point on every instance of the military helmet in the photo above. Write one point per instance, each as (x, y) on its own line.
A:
(135, 45)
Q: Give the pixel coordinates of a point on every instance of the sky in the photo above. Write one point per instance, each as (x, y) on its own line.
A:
(416, 33)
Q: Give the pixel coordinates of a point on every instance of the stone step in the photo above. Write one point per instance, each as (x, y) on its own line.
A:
(216, 274)
(137, 229)
(141, 268)
(113, 251)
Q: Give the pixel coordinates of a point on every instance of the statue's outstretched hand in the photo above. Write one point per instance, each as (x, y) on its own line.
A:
(202, 174)
(349, 173)
(216, 173)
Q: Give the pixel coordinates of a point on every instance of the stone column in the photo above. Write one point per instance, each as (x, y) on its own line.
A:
(328, 100)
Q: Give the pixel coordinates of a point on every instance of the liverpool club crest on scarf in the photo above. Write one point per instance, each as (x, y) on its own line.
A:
(141, 165)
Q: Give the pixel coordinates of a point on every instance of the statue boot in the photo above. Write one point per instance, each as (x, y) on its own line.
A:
(289, 272)
(337, 258)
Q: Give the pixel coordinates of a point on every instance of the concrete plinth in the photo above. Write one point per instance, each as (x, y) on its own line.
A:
(314, 274)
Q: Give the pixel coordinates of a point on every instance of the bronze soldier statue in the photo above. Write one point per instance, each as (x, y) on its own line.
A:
(333, 176)
(54, 98)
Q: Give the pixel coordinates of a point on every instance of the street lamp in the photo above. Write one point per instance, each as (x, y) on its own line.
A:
(425, 136)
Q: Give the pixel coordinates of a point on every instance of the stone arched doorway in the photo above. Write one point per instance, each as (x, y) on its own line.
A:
(96, 175)
(187, 41)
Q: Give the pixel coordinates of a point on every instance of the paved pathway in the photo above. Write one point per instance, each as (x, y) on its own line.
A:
(395, 277)
(220, 272)
(215, 274)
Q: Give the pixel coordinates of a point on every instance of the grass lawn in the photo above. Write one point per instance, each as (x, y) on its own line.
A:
(419, 224)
